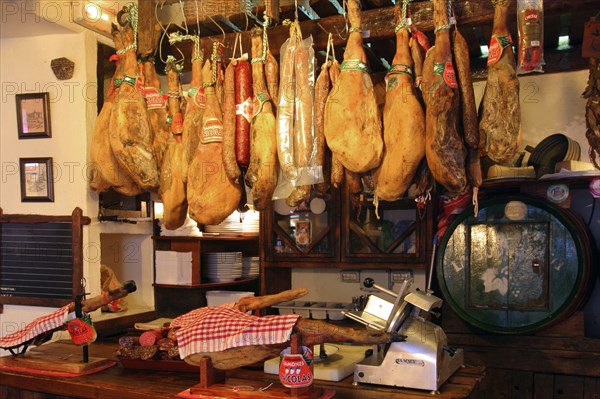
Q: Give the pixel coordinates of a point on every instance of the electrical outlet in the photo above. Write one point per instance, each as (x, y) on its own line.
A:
(398, 276)
(350, 276)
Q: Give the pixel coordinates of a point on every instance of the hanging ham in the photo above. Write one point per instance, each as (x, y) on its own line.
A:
(172, 189)
(107, 171)
(211, 195)
(130, 131)
(262, 172)
(470, 125)
(157, 111)
(194, 112)
(444, 146)
(352, 124)
(500, 112)
(403, 125)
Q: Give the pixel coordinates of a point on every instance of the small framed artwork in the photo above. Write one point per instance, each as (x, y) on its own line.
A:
(303, 233)
(37, 180)
(33, 115)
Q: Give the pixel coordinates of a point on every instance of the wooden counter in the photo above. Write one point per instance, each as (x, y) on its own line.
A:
(119, 382)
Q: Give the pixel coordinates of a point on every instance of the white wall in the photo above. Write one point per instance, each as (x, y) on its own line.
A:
(25, 68)
(550, 104)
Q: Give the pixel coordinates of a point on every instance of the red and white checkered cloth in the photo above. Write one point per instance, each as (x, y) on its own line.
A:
(215, 329)
(35, 328)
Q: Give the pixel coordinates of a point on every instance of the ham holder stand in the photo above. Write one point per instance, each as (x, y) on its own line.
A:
(213, 385)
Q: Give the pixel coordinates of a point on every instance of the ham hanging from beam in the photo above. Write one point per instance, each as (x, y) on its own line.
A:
(212, 196)
(403, 124)
(500, 112)
(352, 124)
(261, 176)
(172, 189)
(444, 149)
(130, 131)
(107, 171)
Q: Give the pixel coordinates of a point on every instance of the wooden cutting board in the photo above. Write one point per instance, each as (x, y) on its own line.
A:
(57, 357)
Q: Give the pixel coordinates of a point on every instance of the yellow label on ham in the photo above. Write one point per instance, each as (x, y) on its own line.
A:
(212, 131)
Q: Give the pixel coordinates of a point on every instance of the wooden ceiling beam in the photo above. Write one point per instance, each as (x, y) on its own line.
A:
(378, 24)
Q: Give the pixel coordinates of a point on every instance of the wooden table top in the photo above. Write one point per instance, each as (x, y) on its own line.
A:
(121, 382)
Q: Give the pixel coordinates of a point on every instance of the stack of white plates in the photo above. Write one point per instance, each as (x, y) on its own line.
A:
(236, 223)
(222, 267)
(250, 266)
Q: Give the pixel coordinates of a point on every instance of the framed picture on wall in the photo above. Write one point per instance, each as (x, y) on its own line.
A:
(33, 115)
(37, 180)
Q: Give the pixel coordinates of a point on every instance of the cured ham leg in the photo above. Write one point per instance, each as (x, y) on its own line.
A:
(444, 146)
(403, 126)
(592, 111)
(172, 189)
(322, 86)
(468, 110)
(130, 131)
(352, 125)
(157, 112)
(262, 172)
(211, 195)
(194, 113)
(500, 112)
(107, 171)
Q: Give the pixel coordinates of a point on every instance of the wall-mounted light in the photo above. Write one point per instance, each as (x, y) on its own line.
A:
(96, 15)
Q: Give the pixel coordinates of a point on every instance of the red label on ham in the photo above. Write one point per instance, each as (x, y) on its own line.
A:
(154, 98)
(449, 75)
(212, 131)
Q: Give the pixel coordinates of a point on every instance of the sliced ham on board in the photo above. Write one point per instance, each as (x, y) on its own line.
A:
(444, 149)
(352, 124)
(261, 176)
(130, 131)
(211, 195)
(172, 189)
(500, 112)
(107, 172)
(403, 125)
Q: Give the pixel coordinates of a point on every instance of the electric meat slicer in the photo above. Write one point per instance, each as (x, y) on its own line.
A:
(424, 360)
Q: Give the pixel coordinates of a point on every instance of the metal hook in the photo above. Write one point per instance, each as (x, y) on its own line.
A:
(213, 21)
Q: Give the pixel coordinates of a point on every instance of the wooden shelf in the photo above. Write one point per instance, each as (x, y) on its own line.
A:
(220, 237)
(208, 285)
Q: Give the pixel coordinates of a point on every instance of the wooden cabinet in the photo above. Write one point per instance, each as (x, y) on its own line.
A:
(345, 233)
(175, 299)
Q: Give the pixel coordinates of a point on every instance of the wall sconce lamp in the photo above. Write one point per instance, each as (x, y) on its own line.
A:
(95, 15)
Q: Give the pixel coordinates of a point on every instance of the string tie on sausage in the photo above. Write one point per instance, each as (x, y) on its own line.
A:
(355, 29)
